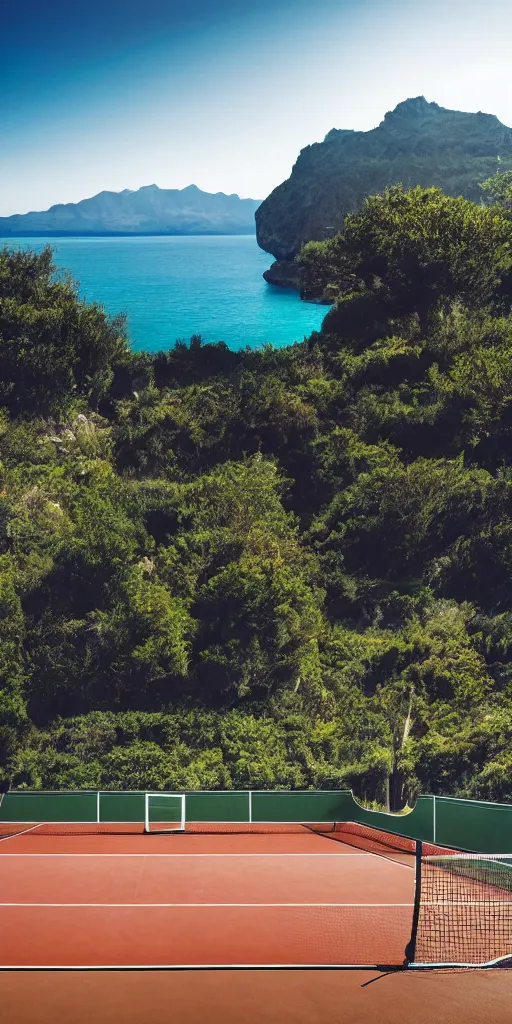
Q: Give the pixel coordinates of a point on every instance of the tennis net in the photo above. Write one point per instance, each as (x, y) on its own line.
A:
(463, 910)
(359, 836)
(363, 837)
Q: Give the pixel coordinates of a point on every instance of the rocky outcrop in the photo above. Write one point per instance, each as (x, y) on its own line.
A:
(283, 273)
(286, 274)
(148, 211)
(418, 143)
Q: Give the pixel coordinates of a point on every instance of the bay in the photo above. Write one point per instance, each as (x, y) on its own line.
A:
(172, 287)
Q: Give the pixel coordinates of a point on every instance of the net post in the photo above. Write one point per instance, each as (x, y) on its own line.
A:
(98, 808)
(183, 812)
(410, 949)
(250, 806)
(434, 820)
(146, 812)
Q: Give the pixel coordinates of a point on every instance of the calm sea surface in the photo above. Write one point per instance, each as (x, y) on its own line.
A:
(173, 287)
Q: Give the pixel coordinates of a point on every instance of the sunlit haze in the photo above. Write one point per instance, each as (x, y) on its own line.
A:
(114, 95)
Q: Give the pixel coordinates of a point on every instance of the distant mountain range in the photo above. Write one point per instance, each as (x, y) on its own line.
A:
(418, 143)
(148, 211)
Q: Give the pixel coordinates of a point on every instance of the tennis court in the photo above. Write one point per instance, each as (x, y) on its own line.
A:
(177, 894)
(196, 900)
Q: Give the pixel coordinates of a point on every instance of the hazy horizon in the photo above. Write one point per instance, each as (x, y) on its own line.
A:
(106, 96)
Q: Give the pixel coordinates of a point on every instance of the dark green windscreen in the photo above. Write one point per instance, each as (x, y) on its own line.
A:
(39, 806)
(463, 824)
(305, 805)
(469, 825)
(126, 806)
(164, 808)
(418, 823)
(217, 806)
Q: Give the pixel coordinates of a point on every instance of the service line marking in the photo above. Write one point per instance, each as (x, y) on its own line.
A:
(341, 855)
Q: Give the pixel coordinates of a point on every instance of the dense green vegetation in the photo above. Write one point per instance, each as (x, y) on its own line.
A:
(275, 568)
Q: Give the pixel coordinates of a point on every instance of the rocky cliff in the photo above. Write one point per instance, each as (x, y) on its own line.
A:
(149, 210)
(418, 143)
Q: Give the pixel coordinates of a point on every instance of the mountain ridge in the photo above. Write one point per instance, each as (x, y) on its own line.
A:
(147, 210)
(417, 143)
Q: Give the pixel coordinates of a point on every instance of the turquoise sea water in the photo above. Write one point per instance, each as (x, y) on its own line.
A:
(173, 287)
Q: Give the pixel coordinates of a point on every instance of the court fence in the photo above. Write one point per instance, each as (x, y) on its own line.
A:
(471, 825)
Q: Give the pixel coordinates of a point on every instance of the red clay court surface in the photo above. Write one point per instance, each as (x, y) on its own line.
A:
(199, 901)
(256, 997)
(132, 901)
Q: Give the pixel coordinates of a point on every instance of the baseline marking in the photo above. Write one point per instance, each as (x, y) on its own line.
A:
(208, 905)
(215, 967)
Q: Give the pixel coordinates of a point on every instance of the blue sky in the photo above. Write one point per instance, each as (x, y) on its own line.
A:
(113, 94)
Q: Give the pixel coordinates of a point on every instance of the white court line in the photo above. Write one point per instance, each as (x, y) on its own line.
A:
(490, 964)
(371, 906)
(339, 856)
(210, 855)
(150, 855)
(207, 967)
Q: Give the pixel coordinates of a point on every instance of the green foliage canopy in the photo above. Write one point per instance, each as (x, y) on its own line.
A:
(273, 568)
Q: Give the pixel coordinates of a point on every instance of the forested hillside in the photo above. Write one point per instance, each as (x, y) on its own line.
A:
(269, 568)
